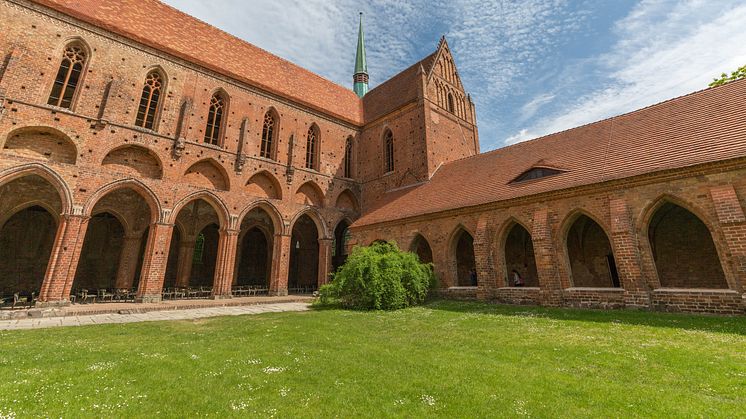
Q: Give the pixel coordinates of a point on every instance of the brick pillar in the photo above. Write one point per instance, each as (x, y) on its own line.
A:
(184, 264)
(154, 263)
(225, 263)
(626, 247)
(63, 261)
(733, 225)
(483, 255)
(128, 262)
(278, 277)
(546, 260)
(325, 260)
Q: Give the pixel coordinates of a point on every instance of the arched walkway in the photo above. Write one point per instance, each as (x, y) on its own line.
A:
(339, 250)
(421, 248)
(254, 253)
(304, 256)
(519, 257)
(589, 253)
(683, 250)
(465, 262)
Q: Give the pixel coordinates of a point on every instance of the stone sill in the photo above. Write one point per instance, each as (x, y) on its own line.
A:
(712, 291)
(461, 288)
(594, 289)
(520, 288)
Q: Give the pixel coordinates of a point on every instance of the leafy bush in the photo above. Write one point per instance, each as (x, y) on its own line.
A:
(379, 277)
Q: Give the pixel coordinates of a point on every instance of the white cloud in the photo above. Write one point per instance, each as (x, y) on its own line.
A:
(664, 50)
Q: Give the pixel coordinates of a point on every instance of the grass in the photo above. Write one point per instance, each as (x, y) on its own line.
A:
(445, 359)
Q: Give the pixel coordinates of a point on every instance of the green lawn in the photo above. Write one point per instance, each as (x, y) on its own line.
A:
(446, 359)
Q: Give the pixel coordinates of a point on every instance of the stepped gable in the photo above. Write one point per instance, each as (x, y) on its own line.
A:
(702, 127)
(162, 27)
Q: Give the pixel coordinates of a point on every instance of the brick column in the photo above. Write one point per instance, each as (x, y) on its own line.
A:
(63, 262)
(225, 263)
(627, 255)
(484, 258)
(278, 277)
(184, 264)
(550, 293)
(733, 225)
(154, 263)
(325, 260)
(128, 262)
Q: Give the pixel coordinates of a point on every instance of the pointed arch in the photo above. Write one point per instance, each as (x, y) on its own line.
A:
(388, 151)
(207, 173)
(421, 247)
(517, 248)
(41, 143)
(309, 193)
(270, 131)
(346, 201)
(349, 158)
(264, 185)
(450, 103)
(221, 209)
(271, 210)
(318, 220)
(216, 115)
(588, 252)
(70, 74)
(683, 247)
(134, 160)
(313, 147)
(149, 108)
(340, 243)
(137, 186)
(54, 179)
(463, 261)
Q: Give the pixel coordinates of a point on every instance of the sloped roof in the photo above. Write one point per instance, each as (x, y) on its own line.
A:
(395, 92)
(160, 26)
(702, 127)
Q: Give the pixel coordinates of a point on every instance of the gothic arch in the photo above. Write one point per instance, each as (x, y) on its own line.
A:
(588, 251)
(137, 186)
(346, 201)
(63, 45)
(273, 134)
(45, 173)
(314, 215)
(516, 252)
(271, 210)
(461, 256)
(41, 143)
(309, 193)
(207, 173)
(134, 160)
(421, 247)
(264, 185)
(213, 200)
(162, 90)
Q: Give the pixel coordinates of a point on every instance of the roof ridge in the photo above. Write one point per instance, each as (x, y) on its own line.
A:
(405, 70)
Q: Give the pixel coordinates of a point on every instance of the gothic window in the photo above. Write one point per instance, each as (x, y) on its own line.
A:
(147, 112)
(450, 103)
(268, 136)
(312, 145)
(215, 119)
(536, 173)
(388, 151)
(68, 76)
(348, 158)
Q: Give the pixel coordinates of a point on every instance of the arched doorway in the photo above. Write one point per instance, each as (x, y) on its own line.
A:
(590, 255)
(421, 248)
(519, 257)
(339, 249)
(114, 246)
(28, 228)
(466, 266)
(683, 250)
(304, 256)
(254, 260)
(205, 256)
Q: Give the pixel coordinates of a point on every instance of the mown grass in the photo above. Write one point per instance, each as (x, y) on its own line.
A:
(445, 359)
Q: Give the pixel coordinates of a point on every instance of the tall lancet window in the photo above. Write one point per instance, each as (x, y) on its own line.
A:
(215, 119)
(268, 136)
(68, 77)
(312, 148)
(388, 151)
(348, 159)
(149, 101)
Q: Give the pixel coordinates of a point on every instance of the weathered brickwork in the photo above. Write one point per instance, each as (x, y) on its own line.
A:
(90, 200)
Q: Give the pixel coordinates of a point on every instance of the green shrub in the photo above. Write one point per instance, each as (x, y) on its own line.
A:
(379, 277)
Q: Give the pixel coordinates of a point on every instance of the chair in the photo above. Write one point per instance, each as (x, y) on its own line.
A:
(19, 300)
(84, 296)
(103, 294)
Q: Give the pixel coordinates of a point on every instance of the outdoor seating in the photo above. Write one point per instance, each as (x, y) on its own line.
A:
(85, 297)
(104, 294)
(23, 300)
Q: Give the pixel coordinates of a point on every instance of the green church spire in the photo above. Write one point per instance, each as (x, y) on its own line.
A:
(360, 79)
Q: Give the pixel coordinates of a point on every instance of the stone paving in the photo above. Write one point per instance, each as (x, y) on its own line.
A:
(84, 320)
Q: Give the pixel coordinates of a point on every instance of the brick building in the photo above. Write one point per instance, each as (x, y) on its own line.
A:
(143, 149)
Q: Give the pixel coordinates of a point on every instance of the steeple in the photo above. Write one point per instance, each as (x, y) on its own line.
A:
(360, 79)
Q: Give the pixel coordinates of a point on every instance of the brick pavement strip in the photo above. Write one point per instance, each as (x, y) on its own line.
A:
(198, 313)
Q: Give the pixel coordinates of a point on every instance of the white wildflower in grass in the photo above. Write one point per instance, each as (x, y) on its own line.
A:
(272, 370)
(239, 405)
(520, 408)
(427, 400)
(101, 366)
(400, 402)
(194, 356)
(253, 361)
(7, 414)
(284, 391)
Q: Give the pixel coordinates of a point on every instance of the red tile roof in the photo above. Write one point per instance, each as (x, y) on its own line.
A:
(160, 26)
(702, 127)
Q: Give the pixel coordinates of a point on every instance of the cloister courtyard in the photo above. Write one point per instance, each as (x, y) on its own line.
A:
(444, 359)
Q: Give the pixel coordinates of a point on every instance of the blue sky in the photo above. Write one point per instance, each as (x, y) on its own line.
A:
(533, 67)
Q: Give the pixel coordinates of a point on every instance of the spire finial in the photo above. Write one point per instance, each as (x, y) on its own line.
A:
(360, 78)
